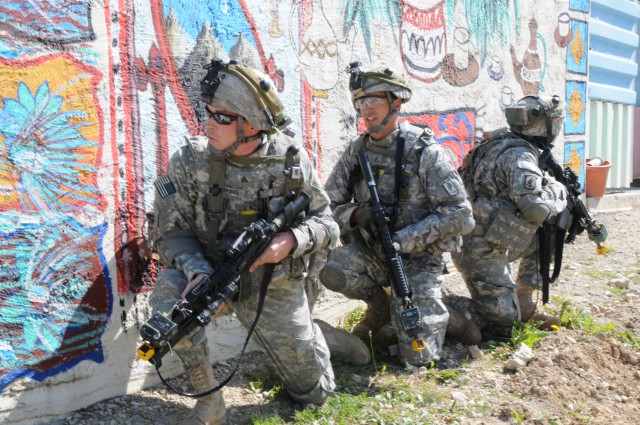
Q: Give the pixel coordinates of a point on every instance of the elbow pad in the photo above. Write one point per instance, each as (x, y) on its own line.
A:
(467, 226)
(533, 209)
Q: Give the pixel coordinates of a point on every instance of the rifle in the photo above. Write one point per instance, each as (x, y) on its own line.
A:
(164, 330)
(576, 213)
(581, 218)
(409, 314)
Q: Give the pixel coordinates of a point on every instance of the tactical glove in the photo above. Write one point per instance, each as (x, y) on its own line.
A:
(367, 225)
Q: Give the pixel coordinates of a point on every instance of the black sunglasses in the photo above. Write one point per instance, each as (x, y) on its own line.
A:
(220, 118)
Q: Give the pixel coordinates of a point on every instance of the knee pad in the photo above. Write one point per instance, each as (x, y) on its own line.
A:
(333, 277)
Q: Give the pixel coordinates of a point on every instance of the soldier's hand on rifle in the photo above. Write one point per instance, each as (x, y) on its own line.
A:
(192, 283)
(366, 224)
(281, 245)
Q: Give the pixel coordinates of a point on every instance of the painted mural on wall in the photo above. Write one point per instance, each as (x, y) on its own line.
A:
(54, 284)
(91, 112)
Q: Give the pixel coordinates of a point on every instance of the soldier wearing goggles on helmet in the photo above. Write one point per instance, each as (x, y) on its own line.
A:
(511, 199)
(427, 209)
(246, 169)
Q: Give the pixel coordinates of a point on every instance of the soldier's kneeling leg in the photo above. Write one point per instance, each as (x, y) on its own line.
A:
(497, 303)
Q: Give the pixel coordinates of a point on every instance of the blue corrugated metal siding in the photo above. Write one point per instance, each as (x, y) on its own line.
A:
(609, 122)
(613, 85)
(613, 45)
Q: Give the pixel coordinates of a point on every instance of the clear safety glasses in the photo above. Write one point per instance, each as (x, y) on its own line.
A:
(372, 101)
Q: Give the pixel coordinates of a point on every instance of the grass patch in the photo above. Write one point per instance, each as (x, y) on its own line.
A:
(388, 398)
(598, 274)
(616, 291)
(572, 317)
(629, 339)
(267, 419)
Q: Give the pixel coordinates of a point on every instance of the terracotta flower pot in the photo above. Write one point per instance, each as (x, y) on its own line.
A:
(596, 177)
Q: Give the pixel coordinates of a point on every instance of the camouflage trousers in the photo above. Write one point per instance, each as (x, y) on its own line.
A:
(284, 331)
(486, 270)
(358, 273)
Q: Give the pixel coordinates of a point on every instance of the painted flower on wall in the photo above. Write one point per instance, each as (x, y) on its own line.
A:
(45, 160)
(54, 296)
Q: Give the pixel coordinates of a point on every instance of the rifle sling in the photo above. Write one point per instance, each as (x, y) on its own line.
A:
(266, 279)
(544, 256)
(402, 137)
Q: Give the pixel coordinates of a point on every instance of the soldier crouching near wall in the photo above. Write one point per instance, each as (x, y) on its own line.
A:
(427, 212)
(511, 199)
(214, 187)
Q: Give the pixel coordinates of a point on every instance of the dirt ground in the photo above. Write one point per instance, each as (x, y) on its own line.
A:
(573, 378)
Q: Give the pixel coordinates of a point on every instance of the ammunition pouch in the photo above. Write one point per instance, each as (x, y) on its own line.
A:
(509, 231)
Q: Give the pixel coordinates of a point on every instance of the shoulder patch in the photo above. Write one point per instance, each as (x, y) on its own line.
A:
(450, 187)
(165, 186)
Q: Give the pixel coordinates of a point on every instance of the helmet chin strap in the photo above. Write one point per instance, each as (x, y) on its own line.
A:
(240, 139)
(385, 121)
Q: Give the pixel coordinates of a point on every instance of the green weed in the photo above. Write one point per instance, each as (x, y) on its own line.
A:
(629, 339)
(598, 274)
(353, 318)
(525, 333)
(519, 417)
(575, 318)
(268, 383)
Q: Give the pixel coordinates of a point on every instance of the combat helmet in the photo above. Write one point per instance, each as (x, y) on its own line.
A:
(536, 119)
(362, 83)
(245, 91)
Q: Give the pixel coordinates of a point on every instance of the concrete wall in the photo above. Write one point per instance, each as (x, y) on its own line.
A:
(95, 96)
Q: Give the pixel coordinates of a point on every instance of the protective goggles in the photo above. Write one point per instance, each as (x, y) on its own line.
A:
(220, 118)
(372, 101)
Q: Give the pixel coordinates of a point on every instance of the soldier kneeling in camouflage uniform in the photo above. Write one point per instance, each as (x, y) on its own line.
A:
(511, 199)
(214, 187)
(428, 211)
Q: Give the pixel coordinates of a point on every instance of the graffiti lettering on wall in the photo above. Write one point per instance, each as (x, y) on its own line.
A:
(54, 285)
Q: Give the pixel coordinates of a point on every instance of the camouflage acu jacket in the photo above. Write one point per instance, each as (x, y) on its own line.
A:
(434, 206)
(499, 174)
(253, 187)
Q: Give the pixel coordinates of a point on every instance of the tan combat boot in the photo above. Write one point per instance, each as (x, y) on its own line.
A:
(462, 329)
(377, 315)
(528, 309)
(209, 410)
(344, 346)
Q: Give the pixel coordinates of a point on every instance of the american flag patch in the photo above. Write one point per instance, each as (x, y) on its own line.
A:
(165, 186)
